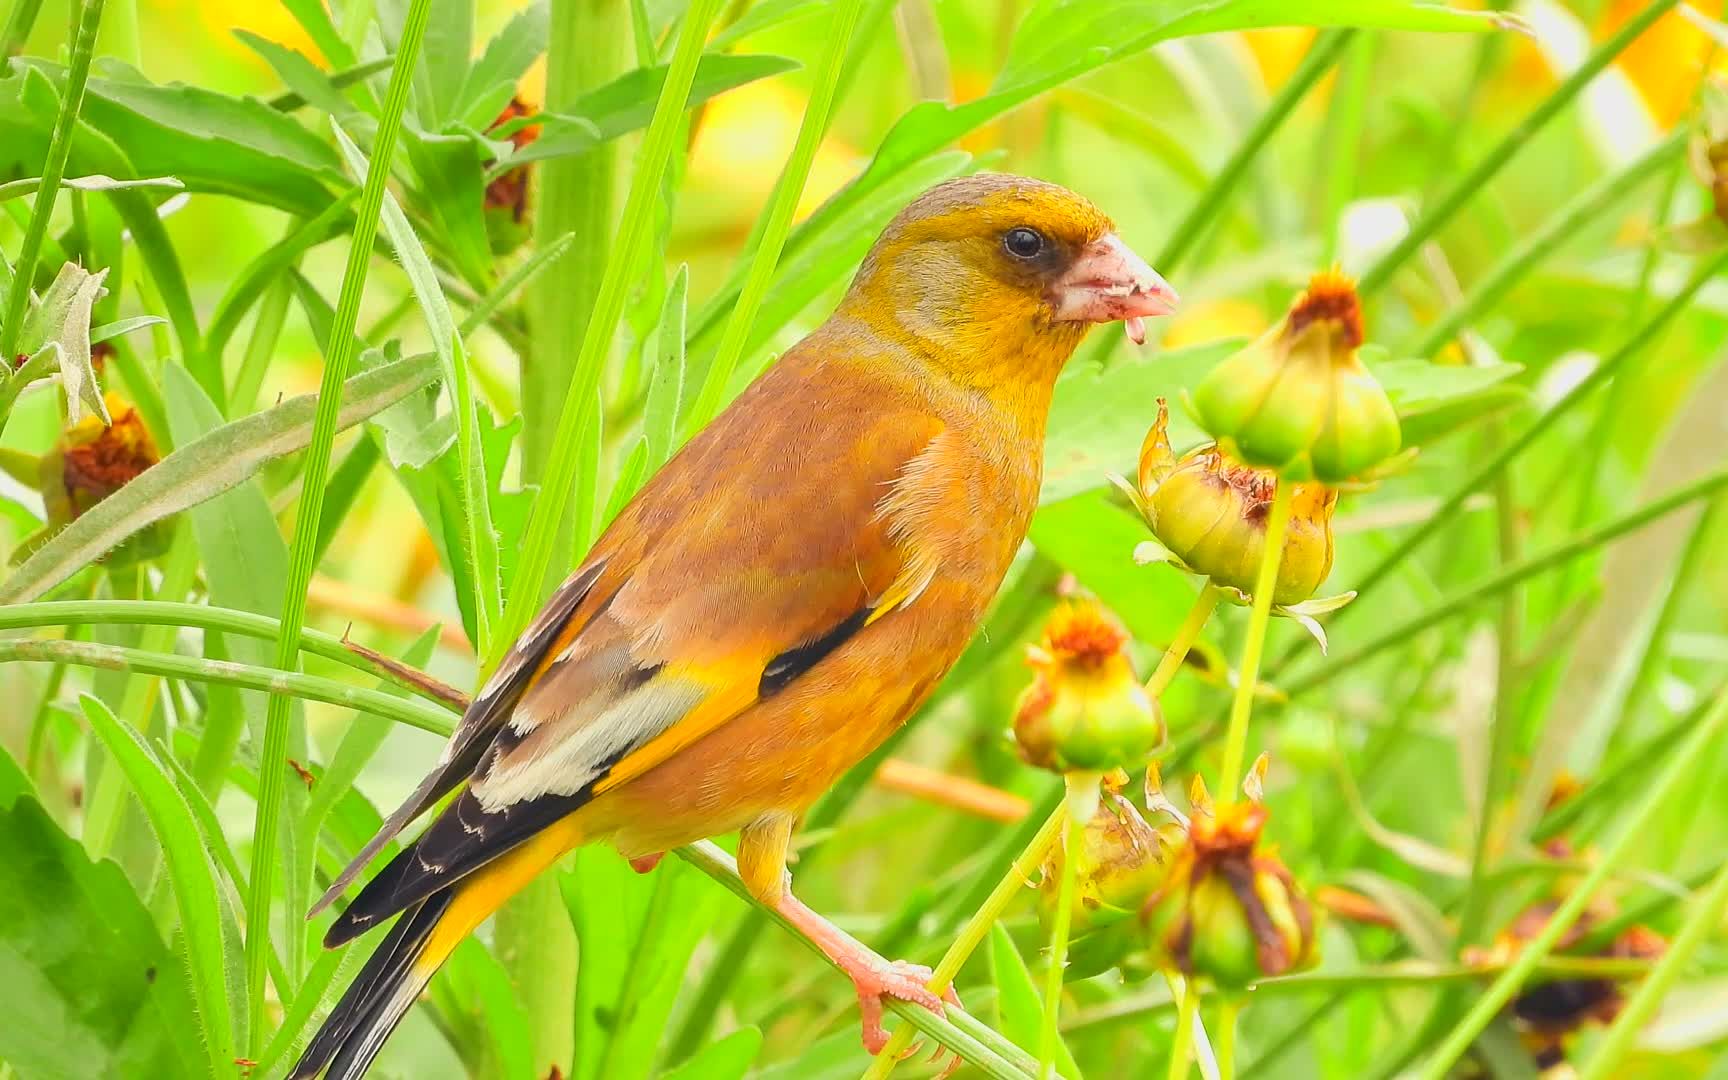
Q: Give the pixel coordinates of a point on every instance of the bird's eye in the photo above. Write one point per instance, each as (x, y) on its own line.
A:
(1023, 243)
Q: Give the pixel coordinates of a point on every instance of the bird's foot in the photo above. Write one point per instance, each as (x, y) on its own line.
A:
(876, 980)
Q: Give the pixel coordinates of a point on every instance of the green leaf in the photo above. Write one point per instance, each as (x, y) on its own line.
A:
(1100, 415)
(190, 875)
(506, 59)
(728, 1059)
(301, 76)
(87, 986)
(205, 468)
(211, 142)
(451, 192)
(667, 396)
(764, 15)
(627, 103)
(1020, 1012)
(314, 18)
(62, 321)
(479, 1003)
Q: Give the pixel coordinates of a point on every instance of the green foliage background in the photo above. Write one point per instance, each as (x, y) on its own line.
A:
(1542, 589)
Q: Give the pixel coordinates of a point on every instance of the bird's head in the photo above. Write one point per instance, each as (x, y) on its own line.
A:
(1002, 276)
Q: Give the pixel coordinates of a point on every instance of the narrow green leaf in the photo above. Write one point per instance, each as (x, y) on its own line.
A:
(479, 539)
(203, 469)
(507, 57)
(190, 875)
(727, 1059)
(627, 104)
(666, 388)
(1018, 1006)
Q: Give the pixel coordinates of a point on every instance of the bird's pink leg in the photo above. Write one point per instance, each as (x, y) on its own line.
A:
(873, 977)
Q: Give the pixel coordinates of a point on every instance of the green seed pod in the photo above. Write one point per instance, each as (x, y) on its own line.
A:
(1297, 399)
(1085, 708)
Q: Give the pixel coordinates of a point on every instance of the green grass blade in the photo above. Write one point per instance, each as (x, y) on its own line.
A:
(262, 883)
(779, 217)
(204, 617)
(580, 411)
(1325, 51)
(1579, 545)
(1476, 179)
(1702, 273)
(203, 469)
(1582, 211)
(190, 874)
(1613, 854)
(53, 169)
(288, 684)
(480, 538)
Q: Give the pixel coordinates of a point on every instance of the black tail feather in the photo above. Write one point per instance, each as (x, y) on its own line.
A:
(375, 1001)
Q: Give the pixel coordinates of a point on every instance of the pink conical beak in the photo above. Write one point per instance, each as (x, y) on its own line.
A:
(1109, 282)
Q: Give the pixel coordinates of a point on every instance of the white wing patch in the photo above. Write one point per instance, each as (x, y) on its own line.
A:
(561, 754)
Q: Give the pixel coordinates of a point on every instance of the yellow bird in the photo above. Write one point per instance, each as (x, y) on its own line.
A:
(776, 600)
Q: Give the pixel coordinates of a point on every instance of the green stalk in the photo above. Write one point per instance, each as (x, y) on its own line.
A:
(1228, 1011)
(1705, 270)
(204, 617)
(1082, 797)
(1693, 560)
(1584, 210)
(1344, 141)
(289, 684)
(1616, 852)
(1513, 575)
(1503, 731)
(18, 26)
(580, 411)
(575, 197)
(261, 881)
(53, 167)
(779, 220)
(1182, 1045)
(973, 933)
(957, 1031)
(1476, 179)
(1706, 916)
(1236, 738)
(977, 926)
(1321, 56)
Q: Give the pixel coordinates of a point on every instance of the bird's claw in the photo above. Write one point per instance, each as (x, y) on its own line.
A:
(901, 981)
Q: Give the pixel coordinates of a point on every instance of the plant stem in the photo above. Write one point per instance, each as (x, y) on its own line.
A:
(1476, 179)
(1321, 56)
(1081, 804)
(779, 218)
(1228, 1010)
(1705, 917)
(588, 46)
(957, 1031)
(973, 933)
(53, 170)
(1181, 1046)
(580, 412)
(276, 682)
(1513, 575)
(1171, 662)
(1503, 732)
(1584, 210)
(1248, 677)
(1344, 141)
(1489, 1004)
(18, 26)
